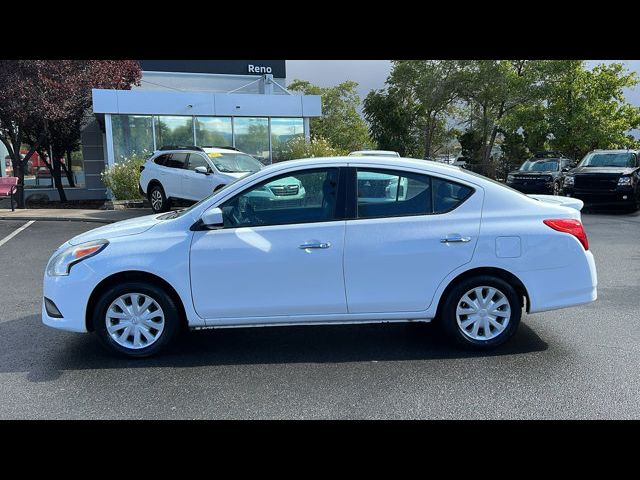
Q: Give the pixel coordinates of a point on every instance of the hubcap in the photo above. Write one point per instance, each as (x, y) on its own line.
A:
(156, 199)
(134, 320)
(483, 313)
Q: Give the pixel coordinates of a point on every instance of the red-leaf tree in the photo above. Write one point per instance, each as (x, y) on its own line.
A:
(43, 102)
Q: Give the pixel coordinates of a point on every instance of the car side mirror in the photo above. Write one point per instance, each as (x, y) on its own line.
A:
(212, 218)
(202, 170)
(566, 169)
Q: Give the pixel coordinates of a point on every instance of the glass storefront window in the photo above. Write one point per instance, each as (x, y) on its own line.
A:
(214, 131)
(283, 130)
(38, 175)
(252, 137)
(132, 134)
(174, 131)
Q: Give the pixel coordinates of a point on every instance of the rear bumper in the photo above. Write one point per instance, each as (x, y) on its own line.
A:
(572, 285)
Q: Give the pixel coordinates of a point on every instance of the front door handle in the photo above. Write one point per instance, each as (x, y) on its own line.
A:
(455, 238)
(323, 245)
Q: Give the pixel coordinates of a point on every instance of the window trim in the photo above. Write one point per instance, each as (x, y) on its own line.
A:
(338, 214)
(352, 200)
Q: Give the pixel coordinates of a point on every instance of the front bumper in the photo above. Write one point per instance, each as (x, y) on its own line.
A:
(70, 294)
(602, 198)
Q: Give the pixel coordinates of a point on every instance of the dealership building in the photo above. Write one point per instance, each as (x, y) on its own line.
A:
(239, 103)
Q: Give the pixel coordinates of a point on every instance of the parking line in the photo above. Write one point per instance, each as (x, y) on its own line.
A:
(16, 232)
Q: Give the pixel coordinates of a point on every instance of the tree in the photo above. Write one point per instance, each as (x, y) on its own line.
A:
(392, 122)
(431, 87)
(587, 109)
(340, 124)
(44, 99)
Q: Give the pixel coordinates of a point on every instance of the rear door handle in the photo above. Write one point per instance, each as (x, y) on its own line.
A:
(455, 238)
(323, 245)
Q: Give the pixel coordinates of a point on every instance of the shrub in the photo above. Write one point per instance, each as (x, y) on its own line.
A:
(123, 178)
(298, 147)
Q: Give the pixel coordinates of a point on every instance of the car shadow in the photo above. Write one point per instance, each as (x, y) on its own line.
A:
(26, 345)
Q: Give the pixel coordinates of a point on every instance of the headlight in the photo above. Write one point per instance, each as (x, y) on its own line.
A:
(61, 262)
(510, 178)
(625, 181)
(568, 181)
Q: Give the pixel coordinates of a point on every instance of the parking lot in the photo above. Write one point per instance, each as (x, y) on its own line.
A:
(574, 363)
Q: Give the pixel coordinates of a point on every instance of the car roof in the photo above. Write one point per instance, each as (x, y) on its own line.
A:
(617, 150)
(371, 161)
(374, 152)
(201, 150)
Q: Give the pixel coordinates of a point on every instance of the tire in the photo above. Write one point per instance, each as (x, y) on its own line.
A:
(146, 337)
(453, 323)
(158, 200)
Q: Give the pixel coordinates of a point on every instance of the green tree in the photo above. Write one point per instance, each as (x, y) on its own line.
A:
(340, 124)
(392, 122)
(587, 109)
(430, 87)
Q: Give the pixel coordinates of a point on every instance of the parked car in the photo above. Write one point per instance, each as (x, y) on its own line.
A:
(543, 173)
(452, 246)
(191, 173)
(374, 153)
(606, 178)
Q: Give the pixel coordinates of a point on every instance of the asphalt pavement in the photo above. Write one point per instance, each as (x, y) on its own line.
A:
(577, 363)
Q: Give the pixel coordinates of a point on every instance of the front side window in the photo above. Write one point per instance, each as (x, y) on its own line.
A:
(234, 162)
(196, 160)
(306, 196)
(386, 193)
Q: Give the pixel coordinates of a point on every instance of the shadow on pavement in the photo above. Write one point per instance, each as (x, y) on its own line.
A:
(28, 346)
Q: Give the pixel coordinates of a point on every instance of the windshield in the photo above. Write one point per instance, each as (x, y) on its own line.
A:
(179, 213)
(623, 159)
(234, 162)
(540, 166)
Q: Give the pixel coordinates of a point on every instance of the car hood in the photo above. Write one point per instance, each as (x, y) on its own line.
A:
(595, 170)
(132, 226)
(570, 202)
(532, 174)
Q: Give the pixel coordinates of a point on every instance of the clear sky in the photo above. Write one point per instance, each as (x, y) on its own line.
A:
(371, 74)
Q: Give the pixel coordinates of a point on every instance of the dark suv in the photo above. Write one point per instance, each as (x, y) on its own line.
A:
(543, 173)
(606, 178)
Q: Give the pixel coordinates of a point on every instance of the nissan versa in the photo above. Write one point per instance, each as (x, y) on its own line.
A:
(372, 239)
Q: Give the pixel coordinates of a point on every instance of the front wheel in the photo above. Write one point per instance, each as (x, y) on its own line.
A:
(136, 319)
(481, 312)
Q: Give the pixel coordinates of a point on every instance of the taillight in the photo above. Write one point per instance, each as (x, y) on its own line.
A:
(574, 227)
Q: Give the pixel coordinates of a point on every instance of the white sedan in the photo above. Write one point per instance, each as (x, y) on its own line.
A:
(371, 239)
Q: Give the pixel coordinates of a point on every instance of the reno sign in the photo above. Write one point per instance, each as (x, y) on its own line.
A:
(277, 68)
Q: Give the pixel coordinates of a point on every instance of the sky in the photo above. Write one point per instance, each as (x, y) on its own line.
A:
(371, 74)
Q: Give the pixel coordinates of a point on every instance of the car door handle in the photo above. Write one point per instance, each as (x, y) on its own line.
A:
(455, 238)
(304, 246)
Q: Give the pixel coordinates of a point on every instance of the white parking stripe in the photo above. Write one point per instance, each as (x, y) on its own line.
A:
(16, 232)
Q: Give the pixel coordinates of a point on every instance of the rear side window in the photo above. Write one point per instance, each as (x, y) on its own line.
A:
(162, 159)
(388, 193)
(448, 195)
(177, 160)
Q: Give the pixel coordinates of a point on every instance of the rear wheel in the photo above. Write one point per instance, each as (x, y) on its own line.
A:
(158, 200)
(136, 319)
(481, 312)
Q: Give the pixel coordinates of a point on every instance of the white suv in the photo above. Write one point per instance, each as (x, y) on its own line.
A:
(191, 173)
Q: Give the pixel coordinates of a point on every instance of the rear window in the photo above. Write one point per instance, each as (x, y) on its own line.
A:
(177, 160)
